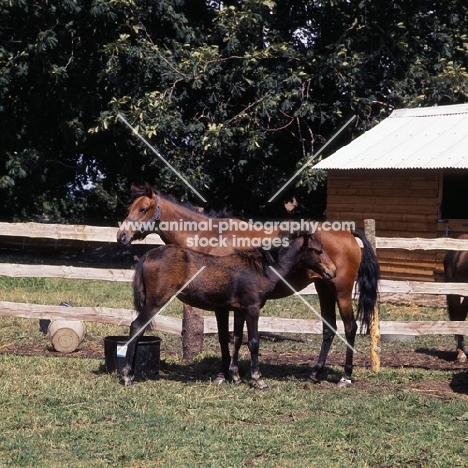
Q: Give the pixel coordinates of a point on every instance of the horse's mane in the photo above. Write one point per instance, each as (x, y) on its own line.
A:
(255, 258)
(139, 191)
(267, 255)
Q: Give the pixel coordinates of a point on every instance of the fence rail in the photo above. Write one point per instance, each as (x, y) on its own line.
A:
(68, 232)
(108, 234)
(16, 270)
(123, 317)
(173, 325)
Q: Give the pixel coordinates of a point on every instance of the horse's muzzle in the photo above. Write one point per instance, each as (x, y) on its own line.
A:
(123, 238)
(329, 273)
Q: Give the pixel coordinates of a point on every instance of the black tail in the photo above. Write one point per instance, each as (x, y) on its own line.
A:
(367, 282)
(139, 289)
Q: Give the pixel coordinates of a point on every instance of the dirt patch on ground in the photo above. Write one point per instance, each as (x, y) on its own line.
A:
(422, 358)
(88, 349)
(299, 362)
(456, 384)
(435, 359)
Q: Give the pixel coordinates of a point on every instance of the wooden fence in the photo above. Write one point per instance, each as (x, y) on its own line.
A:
(174, 325)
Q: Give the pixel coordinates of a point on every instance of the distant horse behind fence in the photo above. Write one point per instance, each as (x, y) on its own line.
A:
(150, 209)
(456, 270)
(240, 282)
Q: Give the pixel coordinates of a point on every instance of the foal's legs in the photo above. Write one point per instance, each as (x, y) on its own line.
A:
(458, 311)
(252, 315)
(222, 320)
(239, 320)
(136, 330)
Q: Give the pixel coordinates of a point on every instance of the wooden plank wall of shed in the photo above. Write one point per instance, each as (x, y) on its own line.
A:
(404, 203)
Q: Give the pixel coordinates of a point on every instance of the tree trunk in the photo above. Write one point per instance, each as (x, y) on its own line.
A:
(192, 332)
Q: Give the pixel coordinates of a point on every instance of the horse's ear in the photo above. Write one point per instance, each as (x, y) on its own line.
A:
(133, 190)
(149, 190)
(314, 243)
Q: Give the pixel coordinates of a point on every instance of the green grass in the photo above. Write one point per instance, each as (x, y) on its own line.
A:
(54, 290)
(67, 412)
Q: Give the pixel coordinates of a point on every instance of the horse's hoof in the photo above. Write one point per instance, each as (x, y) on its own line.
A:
(313, 379)
(235, 377)
(261, 385)
(127, 377)
(461, 359)
(128, 381)
(236, 380)
(344, 383)
(219, 379)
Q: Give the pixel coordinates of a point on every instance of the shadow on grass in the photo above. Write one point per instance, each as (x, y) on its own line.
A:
(444, 355)
(459, 382)
(206, 369)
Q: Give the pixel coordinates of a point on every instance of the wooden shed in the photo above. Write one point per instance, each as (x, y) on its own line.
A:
(410, 174)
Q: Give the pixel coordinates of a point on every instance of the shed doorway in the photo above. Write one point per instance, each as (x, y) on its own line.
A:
(454, 204)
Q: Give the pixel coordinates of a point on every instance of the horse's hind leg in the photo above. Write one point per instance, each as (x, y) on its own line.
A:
(137, 328)
(222, 320)
(239, 320)
(327, 306)
(457, 311)
(345, 307)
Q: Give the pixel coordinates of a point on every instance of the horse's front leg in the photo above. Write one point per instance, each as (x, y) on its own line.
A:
(222, 321)
(137, 328)
(328, 335)
(239, 320)
(252, 316)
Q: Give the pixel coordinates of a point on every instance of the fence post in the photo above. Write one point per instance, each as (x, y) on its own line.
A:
(374, 332)
(192, 332)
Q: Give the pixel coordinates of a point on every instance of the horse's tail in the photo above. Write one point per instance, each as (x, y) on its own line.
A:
(367, 282)
(139, 289)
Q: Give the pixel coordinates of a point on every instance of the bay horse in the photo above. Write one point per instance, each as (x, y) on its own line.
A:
(150, 211)
(456, 271)
(240, 282)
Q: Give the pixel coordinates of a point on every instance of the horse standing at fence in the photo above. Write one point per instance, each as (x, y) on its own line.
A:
(456, 270)
(239, 282)
(150, 208)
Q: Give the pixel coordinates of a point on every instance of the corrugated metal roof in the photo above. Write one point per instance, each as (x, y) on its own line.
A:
(420, 138)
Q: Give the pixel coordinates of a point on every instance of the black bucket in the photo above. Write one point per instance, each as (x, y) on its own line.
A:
(147, 354)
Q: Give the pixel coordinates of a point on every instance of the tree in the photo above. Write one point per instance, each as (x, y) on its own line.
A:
(236, 95)
(50, 95)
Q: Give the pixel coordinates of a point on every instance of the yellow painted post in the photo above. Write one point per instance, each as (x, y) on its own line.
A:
(374, 332)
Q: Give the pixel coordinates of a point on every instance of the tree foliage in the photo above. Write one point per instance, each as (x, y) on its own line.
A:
(236, 95)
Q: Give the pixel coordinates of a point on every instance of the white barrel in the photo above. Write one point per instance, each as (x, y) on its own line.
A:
(66, 335)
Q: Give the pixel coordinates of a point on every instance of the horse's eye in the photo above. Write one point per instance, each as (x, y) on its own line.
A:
(143, 210)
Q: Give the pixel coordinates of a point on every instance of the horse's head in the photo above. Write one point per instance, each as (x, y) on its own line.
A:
(143, 214)
(315, 258)
(304, 249)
